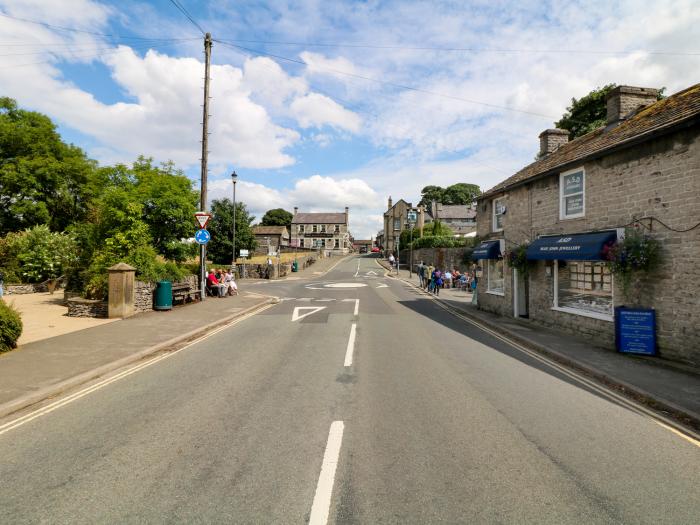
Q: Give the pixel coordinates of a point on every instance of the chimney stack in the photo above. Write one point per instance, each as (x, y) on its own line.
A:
(625, 100)
(295, 210)
(390, 203)
(347, 213)
(551, 140)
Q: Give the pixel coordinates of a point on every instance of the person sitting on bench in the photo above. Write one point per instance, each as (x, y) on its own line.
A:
(214, 286)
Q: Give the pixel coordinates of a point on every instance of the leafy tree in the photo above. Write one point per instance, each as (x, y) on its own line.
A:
(43, 254)
(277, 217)
(459, 193)
(42, 179)
(220, 247)
(589, 112)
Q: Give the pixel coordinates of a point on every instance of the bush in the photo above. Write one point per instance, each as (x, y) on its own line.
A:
(441, 242)
(10, 327)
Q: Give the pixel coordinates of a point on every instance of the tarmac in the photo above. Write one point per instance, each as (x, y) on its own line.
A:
(48, 364)
(665, 386)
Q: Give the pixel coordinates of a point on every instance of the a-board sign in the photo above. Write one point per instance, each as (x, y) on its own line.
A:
(243, 253)
(202, 218)
(635, 330)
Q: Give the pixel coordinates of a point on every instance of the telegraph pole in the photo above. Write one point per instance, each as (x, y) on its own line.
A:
(205, 152)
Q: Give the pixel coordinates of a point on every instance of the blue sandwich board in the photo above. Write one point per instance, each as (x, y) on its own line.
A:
(202, 236)
(635, 330)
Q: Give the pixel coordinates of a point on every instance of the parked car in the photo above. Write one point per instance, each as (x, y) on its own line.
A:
(375, 249)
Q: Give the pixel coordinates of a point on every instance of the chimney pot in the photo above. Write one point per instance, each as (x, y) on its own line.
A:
(551, 140)
(390, 203)
(296, 210)
(623, 101)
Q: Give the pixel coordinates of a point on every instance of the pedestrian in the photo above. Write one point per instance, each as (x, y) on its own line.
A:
(428, 278)
(448, 279)
(438, 282)
(421, 273)
(391, 260)
(230, 284)
(213, 284)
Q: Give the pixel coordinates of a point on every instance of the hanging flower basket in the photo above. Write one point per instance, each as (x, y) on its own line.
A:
(516, 257)
(635, 255)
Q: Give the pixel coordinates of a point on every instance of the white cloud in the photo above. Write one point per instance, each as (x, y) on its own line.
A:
(318, 110)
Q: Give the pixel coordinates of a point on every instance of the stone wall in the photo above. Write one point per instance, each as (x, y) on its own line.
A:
(660, 178)
(259, 271)
(143, 294)
(442, 258)
(79, 307)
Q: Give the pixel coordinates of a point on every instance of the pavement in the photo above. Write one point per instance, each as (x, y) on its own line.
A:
(354, 399)
(59, 353)
(669, 387)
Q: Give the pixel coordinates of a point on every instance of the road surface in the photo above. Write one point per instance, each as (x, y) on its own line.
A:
(354, 400)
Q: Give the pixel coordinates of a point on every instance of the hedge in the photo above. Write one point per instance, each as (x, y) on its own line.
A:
(10, 327)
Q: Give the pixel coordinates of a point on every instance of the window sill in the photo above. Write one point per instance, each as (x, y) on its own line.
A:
(584, 313)
(501, 294)
(580, 216)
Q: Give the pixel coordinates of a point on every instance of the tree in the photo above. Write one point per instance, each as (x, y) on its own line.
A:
(459, 193)
(42, 179)
(589, 112)
(220, 247)
(277, 217)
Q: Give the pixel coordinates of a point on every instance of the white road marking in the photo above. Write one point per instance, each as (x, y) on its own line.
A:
(324, 489)
(308, 299)
(351, 345)
(382, 285)
(314, 309)
(371, 272)
(324, 300)
(97, 386)
(357, 305)
(358, 268)
(344, 285)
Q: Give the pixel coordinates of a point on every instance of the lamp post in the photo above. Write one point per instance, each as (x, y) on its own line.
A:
(234, 176)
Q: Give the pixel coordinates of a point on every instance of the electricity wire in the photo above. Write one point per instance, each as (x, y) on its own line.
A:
(462, 49)
(182, 9)
(387, 83)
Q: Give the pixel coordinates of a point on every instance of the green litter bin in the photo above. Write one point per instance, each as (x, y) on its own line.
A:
(295, 266)
(164, 296)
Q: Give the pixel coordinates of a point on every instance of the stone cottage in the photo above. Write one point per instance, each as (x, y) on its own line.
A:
(640, 170)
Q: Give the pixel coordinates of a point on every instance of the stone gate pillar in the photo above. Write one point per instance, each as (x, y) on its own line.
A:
(122, 297)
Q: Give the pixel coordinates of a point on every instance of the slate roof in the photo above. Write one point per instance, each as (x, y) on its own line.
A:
(683, 108)
(270, 230)
(454, 211)
(319, 218)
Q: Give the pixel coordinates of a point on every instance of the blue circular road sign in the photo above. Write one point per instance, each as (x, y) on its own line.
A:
(202, 236)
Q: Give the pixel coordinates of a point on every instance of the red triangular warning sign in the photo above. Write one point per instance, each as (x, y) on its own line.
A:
(202, 219)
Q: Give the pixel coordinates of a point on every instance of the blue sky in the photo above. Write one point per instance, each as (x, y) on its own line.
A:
(360, 101)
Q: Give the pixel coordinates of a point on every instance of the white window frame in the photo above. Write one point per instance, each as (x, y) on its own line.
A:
(337, 228)
(314, 228)
(323, 228)
(562, 200)
(301, 228)
(576, 311)
(488, 278)
(399, 223)
(494, 226)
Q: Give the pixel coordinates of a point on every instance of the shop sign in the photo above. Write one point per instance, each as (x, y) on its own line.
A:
(635, 330)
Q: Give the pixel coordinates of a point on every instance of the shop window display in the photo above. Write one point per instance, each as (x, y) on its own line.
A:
(495, 279)
(584, 286)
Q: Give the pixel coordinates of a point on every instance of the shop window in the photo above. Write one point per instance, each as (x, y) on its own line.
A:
(572, 194)
(499, 210)
(494, 276)
(584, 288)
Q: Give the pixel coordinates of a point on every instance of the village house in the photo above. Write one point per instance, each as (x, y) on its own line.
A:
(460, 218)
(323, 231)
(640, 170)
(395, 221)
(270, 239)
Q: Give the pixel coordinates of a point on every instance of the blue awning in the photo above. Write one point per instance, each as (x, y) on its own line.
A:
(487, 250)
(576, 247)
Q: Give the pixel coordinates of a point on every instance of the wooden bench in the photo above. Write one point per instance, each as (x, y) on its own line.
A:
(181, 291)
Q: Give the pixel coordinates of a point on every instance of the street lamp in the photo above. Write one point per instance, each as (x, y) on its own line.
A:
(234, 176)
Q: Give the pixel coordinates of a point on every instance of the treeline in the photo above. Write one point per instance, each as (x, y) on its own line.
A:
(62, 214)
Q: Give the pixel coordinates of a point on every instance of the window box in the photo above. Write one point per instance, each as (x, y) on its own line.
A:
(572, 194)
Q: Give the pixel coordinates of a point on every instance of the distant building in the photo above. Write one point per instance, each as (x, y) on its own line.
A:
(362, 245)
(396, 220)
(460, 218)
(270, 238)
(323, 231)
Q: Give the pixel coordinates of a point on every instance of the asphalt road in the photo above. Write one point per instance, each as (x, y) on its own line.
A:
(441, 423)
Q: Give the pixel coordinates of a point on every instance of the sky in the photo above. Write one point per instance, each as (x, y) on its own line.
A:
(323, 104)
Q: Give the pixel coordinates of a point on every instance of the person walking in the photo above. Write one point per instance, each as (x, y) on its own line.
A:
(438, 282)
(421, 273)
